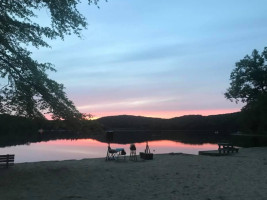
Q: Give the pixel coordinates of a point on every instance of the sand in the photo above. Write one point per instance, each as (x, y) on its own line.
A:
(179, 176)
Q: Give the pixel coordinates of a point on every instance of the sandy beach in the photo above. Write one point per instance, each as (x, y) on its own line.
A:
(178, 176)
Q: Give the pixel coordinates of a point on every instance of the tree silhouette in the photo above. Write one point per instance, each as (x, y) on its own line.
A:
(249, 78)
(26, 89)
(249, 85)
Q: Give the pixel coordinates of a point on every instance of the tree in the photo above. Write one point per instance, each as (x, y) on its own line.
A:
(249, 78)
(249, 85)
(27, 89)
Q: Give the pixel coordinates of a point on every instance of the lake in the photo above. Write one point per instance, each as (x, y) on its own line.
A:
(32, 147)
(90, 148)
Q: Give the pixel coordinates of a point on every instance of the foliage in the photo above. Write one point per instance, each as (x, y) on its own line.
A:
(22, 130)
(249, 85)
(254, 115)
(27, 89)
(249, 78)
(224, 123)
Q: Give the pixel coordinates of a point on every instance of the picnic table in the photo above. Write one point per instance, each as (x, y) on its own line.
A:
(226, 148)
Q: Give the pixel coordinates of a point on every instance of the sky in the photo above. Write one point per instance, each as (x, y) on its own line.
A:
(156, 58)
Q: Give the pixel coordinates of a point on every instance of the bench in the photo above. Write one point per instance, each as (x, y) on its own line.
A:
(7, 160)
(226, 148)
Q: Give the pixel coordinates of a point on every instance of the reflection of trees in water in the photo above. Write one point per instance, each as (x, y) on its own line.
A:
(188, 137)
(32, 137)
(127, 137)
(249, 140)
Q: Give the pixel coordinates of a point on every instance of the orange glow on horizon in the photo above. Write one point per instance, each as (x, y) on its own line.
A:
(160, 114)
(167, 114)
(152, 144)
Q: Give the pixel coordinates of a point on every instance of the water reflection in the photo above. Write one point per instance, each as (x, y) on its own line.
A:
(33, 147)
(89, 148)
(120, 136)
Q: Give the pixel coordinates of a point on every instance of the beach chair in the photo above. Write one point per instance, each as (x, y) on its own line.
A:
(133, 152)
(111, 153)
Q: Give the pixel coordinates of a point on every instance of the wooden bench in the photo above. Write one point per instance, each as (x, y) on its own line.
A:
(7, 160)
(226, 148)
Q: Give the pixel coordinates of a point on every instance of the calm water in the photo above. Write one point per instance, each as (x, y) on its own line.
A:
(89, 148)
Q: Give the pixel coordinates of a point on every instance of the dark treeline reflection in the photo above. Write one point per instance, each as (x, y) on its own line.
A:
(16, 130)
(11, 139)
(128, 136)
(130, 129)
(186, 137)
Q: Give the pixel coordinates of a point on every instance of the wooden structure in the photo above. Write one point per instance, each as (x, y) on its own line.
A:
(223, 149)
(7, 160)
(226, 148)
(133, 152)
(210, 153)
(146, 155)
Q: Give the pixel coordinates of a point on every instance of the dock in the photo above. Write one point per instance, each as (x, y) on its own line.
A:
(210, 153)
(224, 149)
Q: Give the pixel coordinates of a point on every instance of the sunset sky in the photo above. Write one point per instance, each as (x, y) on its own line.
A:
(156, 58)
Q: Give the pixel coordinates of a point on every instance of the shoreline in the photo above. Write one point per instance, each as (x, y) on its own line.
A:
(168, 176)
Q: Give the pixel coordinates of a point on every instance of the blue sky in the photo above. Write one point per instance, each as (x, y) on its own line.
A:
(157, 58)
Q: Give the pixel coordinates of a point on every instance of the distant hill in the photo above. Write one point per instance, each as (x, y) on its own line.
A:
(223, 122)
(10, 124)
(15, 130)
